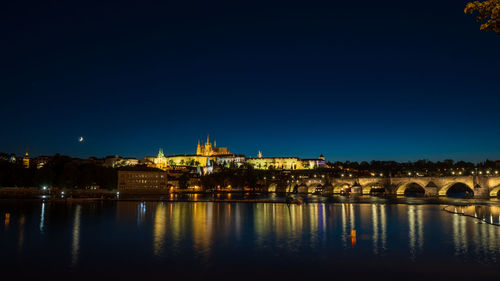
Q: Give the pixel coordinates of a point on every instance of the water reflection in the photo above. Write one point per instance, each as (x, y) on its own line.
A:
(415, 230)
(175, 236)
(22, 221)
(379, 222)
(159, 229)
(460, 235)
(42, 218)
(141, 212)
(7, 221)
(75, 246)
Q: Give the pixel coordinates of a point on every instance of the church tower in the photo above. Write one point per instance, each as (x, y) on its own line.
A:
(198, 149)
(26, 160)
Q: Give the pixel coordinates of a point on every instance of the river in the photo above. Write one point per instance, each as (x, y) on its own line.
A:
(131, 240)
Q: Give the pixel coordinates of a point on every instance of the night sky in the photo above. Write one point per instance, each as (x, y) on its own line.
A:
(354, 80)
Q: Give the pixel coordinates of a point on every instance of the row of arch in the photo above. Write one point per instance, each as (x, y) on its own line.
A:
(403, 189)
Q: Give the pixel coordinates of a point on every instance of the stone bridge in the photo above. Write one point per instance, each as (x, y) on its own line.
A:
(482, 186)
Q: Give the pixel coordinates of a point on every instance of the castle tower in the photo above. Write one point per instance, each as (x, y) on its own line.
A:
(208, 147)
(259, 154)
(26, 160)
(198, 149)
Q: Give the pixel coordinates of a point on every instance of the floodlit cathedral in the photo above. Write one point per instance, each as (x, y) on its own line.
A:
(206, 149)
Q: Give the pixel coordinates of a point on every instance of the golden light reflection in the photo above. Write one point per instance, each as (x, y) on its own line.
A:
(7, 221)
(159, 229)
(22, 221)
(353, 237)
(383, 219)
(344, 224)
(375, 224)
(202, 228)
(415, 230)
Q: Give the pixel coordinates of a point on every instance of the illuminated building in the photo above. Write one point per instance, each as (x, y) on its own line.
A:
(26, 160)
(40, 161)
(207, 149)
(208, 154)
(136, 180)
(117, 161)
(284, 163)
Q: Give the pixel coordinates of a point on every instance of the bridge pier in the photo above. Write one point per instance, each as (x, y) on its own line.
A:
(431, 191)
(481, 192)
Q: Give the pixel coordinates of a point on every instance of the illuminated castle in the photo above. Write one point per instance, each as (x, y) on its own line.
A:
(207, 149)
(208, 154)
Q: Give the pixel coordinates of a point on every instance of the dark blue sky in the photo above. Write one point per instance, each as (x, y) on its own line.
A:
(354, 80)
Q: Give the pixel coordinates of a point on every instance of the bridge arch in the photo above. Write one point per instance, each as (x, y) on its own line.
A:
(368, 188)
(337, 189)
(495, 191)
(403, 187)
(316, 189)
(328, 189)
(272, 187)
(302, 189)
(444, 190)
(292, 188)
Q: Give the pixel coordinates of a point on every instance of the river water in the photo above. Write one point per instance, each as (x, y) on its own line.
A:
(113, 240)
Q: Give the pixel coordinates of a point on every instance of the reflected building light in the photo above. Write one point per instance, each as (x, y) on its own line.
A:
(202, 230)
(7, 221)
(463, 230)
(411, 230)
(313, 210)
(159, 229)
(420, 227)
(22, 221)
(344, 224)
(383, 219)
(323, 227)
(141, 212)
(42, 218)
(375, 223)
(76, 236)
(238, 221)
(459, 235)
(352, 217)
